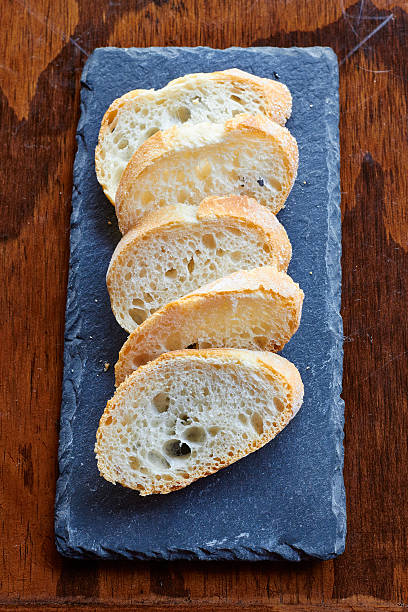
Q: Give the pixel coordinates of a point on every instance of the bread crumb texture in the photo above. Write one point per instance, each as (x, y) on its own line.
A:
(259, 309)
(180, 248)
(248, 155)
(190, 413)
(195, 98)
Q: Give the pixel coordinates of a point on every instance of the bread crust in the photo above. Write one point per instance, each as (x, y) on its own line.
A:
(172, 140)
(277, 102)
(177, 321)
(271, 366)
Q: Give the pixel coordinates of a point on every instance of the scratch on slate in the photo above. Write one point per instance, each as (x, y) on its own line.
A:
(366, 38)
(43, 19)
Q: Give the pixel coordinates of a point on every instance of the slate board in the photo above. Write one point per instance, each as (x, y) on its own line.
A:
(286, 500)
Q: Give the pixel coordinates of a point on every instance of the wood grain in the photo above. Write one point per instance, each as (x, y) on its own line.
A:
(43, 45)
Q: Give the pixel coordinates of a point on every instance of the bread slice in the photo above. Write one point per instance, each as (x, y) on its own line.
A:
(194, 98)
(179, 248)
(190, 413)
(259, 310)
(248, 155)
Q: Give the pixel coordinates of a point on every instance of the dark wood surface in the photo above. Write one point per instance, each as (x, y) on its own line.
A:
(43, 45)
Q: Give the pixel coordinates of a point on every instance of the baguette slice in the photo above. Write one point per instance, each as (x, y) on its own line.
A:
(179, 248)
(190, 413)
(259, 309)
(248, 155)
(195, 98)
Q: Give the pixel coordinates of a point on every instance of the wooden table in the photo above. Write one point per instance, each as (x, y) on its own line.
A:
(44, 44)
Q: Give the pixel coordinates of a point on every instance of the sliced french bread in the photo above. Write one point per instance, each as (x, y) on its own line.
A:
(194, 98)
(178, 248)
(190, 413)
(259, 309)
(248, 155)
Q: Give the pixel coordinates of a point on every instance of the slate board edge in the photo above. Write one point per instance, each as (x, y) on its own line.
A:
(74, 355)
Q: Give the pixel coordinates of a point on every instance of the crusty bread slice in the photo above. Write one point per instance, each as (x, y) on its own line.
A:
(179, 248)
(194, 98)
(259, 309)
(189, 413)
(248, 155)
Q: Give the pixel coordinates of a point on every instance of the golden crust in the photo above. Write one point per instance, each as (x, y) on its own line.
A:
(178, 322)
(272, 366)
(218, 209)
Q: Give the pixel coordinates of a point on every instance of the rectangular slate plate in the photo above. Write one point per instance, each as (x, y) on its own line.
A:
(287, 499)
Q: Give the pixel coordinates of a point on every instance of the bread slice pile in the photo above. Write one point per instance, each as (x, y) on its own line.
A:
(197, 171)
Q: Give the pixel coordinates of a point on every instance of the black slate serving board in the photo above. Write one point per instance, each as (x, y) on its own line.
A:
(286, 500)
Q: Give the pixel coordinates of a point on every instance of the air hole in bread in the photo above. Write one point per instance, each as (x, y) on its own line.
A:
(138, 315)
(185, 419)
(236, 256)
(237, 99)
(205, 345)
(203, 169)
(267, 248)
(219, 252)
(128, 419)
(182, 196)
(128, 276)
(161, 402)
(111, 117)
(279, 404)
(235, 231)
(176, 448)
(242, 418)
(236, 112)
(213, 430)
(157, 460)
(209, 241)
(172, 273)
(273, 183)
(260, 341)
(123, 144)
(151, 132)
(190, 266)
(108, 421)
(192, 346)
(257, 423)
(147, 197)
(137, 302)
(195, 434)
(182, 113)
(134, 463)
